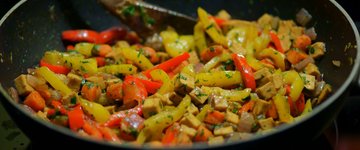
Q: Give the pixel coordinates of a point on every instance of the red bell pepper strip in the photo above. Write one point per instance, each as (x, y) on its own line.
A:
(116, 118)
(100, 61)
(81, 36)
(151, 86)
(300, 103)
(168, 65)
(275, 39)
(55, 68)
(70, 47)
(245, 70)
(76, 118)
(171, 134)
(112, 34)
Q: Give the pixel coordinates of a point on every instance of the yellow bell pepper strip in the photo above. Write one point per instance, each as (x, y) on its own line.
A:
(297, 84)
(210, 27)
(236, 95)
(169, 65)
(84, 48)
(307, 108)
(137, 57)
(250, 58)
(99, 112)
(54, 81)
(88, 66)
(160, 75)
(218, 78)
(211, 64)
(180, 45)
(283, 108)
(261, 42)
(199, 37)
(189, 70)
(245, 70)
(169, 36)
(237, 35)
(157, 123)
(72, 60)
(202, 114)
(277, 57)
(118, 69)
(76, 118)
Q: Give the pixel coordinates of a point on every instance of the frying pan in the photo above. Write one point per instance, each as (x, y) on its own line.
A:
(32, 27)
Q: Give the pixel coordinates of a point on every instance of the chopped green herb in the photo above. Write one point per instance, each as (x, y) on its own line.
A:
(228, 75)
(140, 52)
(129, 11)
(130, 69)
(212, 49)
(73, 100)
(210, 26)
(133, 132)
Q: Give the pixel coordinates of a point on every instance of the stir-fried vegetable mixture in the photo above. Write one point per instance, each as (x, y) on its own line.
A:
(228, 81)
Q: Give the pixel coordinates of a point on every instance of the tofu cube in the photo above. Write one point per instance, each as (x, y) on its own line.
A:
(198, 96)
(22, 86)
(309, 81)
(187, 130)
(219, 103)
(264, 72)
(317, 50)
(266, 91)
(151, 107)
(260, 107)
(74, 81)
(277, 80)
(223, 131)
(191, 121)
(267, 123)
(184, 83)
(312, 69)
(231, 117)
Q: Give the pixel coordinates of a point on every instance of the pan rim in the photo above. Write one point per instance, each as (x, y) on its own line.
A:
(329, 101)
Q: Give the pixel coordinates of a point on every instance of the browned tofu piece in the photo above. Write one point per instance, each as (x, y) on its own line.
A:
(266, 91)
(317, 50)
(264, 72)
(98, 80)
(22, 86)
(296, 31)
(219, 103)
(184, 83)
(191, 121)
(261, 106)
(198, 96)
(112, 81)
(278, 81)
(267, 123)
(309, 81)
(216, 140)
(74, 81)
(265, 19)
(151, 107)
(312, 69)
(284, 33)
(187, 130)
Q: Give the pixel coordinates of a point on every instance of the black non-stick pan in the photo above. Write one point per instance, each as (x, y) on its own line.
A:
(32, 27)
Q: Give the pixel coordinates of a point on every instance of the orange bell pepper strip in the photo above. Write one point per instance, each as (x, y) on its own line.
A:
(272, 112)
(246, 71)
(134, 90)
(295, 57)
(92, 130)
(302, 42)
(60, 69)
(168, 65)
(275, 39)
(108, 134)
(35, 101)
(202, 134)
(100, 61)
(246, 107)
(300, 104)
(76, 118)
(101, 50)
(151, 86)
(171, 134)
(214, 117)
(116, 118)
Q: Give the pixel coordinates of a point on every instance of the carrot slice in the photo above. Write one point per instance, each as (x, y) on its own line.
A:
(35, 101)
(214, 117)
